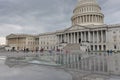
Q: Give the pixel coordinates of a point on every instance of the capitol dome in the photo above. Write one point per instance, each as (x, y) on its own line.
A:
(87, 12)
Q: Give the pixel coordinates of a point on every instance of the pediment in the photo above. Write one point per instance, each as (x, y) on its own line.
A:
(11, 35)
(75, 28)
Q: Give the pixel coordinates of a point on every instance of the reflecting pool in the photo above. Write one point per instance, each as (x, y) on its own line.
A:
(12, 69)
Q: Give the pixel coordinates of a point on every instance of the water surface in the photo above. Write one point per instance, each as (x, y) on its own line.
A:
(24, 71)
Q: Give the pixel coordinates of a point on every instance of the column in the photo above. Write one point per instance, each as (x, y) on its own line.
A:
(74, 38)
(71, 37)
(68, 38)
(98, 48)
(76, 20)
(92, 18)
(85, 36)
(93, 47)
(100, 18)
(89, 39)
(58, 39)
(89, 18)
(89, 36)
(81, 36)
(105, 36)
(93, 37)
(97, 37)
(102, 47)
(101, 36)
(80, 19)
(83, 19)
(61, 37)
(96, 17)
(65, 38)
(77, 37)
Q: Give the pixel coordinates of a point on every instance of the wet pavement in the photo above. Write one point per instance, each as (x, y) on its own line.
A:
(36, 66)
(25, 71)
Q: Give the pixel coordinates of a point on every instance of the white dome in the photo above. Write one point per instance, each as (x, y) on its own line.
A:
(87, 12)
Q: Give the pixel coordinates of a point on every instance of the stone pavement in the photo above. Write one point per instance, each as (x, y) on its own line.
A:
(77, 74)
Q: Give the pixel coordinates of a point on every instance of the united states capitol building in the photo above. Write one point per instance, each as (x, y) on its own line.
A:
(88, 31)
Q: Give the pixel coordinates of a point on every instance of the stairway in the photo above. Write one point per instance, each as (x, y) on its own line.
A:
(72, 47)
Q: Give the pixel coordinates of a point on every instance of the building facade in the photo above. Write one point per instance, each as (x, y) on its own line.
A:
(88, 28)
(22, 41)
(48, 41)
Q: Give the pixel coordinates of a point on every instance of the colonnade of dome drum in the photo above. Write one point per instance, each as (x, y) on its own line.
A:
(87, 13)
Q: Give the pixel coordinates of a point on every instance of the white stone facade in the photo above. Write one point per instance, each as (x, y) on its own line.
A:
(48, 41)
(113, 37)
(98, 39)
(95, 37)
(22, 41)
(87, 12)
(88, 27)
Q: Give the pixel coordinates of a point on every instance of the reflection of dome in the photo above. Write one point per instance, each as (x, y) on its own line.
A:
(87, 12)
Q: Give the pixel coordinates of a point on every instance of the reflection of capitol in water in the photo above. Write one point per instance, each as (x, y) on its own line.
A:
(13, 69)
(89, 66)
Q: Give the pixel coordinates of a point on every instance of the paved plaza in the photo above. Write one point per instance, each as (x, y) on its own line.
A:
(26, 71)
(18, 54)
(68, 63)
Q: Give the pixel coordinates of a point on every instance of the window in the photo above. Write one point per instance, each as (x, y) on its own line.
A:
(91, 47)
(115, 47)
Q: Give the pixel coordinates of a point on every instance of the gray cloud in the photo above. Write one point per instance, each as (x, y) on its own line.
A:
(37, 16)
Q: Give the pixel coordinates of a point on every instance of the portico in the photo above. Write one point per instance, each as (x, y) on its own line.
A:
(95, 38)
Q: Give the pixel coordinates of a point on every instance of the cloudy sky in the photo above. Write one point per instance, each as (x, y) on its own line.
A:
(38, 16)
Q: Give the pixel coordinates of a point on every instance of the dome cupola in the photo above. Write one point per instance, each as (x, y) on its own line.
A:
(87, 12)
